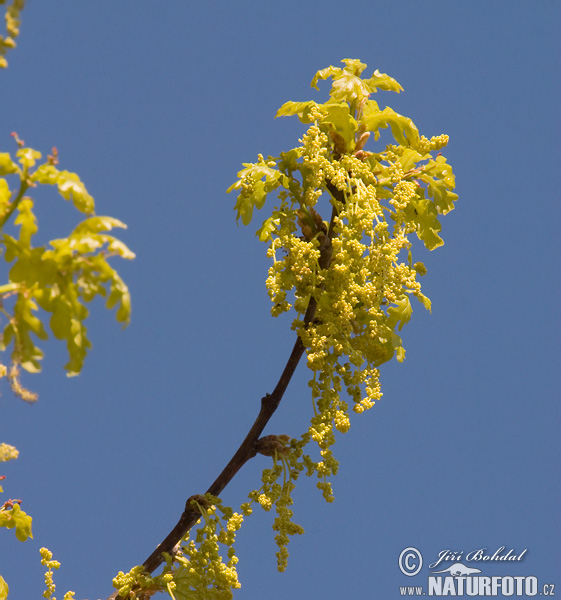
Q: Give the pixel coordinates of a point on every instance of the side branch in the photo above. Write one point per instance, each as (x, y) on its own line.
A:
(269, 404)
(247, 449)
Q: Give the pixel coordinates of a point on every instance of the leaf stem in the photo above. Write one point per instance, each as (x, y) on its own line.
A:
(14, 203)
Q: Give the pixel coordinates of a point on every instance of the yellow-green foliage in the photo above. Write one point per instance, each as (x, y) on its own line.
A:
(8, 41)
(60, 278)
(55, 280)
(11, 514)
(339, 238)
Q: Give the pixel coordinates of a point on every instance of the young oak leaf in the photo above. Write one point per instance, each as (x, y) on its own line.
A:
(339, 120)
(349, 87)
(47, 174)
(266, 230)
(347, 84)
(27, 157)
(26, 219)
(7, 166)
(439, 187)
(403, 129)
(401, 313)
(71, 188)
(254, 183)
(301, 109)
(16, 518)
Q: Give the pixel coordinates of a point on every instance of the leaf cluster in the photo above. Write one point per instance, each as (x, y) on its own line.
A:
(8, 41)
(349, 277)
(13, 517)
(348, 118)
(59, 278)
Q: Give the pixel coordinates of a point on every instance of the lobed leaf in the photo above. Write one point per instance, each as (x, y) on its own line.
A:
(354, 65)
(409, 158)
(47, 174)
(15, 517)
(78, 344)
(325, 74)
(33, 268)
(61, 318)
(7, 166)
(25, 323)
(255, 182)
(97, 224)
(71, 188)
(266, 230)
(27, 157)
(401, 313)
(438, 187)
(403, 129)
(26, 219)
(340, 121)
(349, 87)
(424, 301)
(302, 109)
(422, 212)
(383, 82)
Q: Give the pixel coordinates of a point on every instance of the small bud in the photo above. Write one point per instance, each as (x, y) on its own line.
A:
(52, 159)
(339, 144)
(362, 140)
(271, 444)
(307, 232)
(310, 226)
(360, 107)
(19, 142)
(197, 499)
(362, 155)
(320, 225)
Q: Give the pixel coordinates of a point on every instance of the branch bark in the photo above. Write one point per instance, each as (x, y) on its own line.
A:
(269, 404)
(247, 449)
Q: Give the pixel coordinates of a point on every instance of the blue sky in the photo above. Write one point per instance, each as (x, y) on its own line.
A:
(155, 106)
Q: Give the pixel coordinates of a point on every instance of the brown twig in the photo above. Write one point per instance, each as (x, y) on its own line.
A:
(248, 448)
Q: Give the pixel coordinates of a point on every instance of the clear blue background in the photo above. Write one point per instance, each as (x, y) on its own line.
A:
(156, 105)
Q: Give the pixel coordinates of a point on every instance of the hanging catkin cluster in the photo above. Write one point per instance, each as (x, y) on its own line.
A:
(339, 238)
